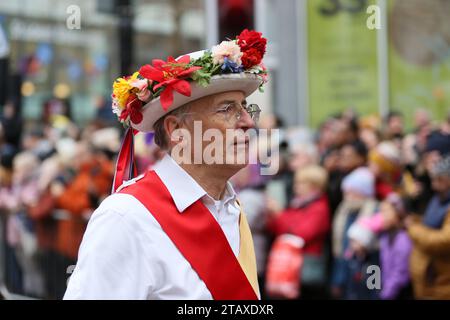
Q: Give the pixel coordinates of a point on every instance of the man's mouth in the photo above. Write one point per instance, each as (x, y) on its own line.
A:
(242, 143)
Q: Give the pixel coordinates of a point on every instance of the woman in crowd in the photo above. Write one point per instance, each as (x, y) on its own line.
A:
(308, 217)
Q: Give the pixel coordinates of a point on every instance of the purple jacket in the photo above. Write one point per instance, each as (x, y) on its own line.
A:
(394, 264)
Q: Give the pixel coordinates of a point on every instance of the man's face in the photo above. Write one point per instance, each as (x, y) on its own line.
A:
(430, 160)
(340, 132)
(421, 118)
(396, 125)
(441, 184)
(219, 115)
(369, 137)
(349, 159)
(303, 188)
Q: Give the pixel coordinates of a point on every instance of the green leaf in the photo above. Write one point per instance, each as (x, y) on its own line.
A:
(157, 93)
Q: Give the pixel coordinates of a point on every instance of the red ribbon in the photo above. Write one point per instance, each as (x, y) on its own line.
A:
(126, 168)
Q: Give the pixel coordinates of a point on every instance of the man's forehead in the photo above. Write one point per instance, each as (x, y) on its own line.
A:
(229, 96)
(219, 98)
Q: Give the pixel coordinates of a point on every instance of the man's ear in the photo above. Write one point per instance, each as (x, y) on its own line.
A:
(176, 130)
(170, 125)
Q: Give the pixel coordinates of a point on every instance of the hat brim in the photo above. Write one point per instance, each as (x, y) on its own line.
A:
(153, 111)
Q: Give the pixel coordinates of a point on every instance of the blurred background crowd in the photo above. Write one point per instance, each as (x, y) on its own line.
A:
(364, 155)
(358, 191)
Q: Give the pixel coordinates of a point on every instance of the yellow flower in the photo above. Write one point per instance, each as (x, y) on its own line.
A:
(122, 89)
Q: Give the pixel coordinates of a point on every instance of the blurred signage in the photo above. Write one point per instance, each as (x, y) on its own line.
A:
(342, 58)
(419, 56)
(50, 33)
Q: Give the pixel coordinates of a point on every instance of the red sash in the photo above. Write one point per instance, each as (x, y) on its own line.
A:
(198, 237)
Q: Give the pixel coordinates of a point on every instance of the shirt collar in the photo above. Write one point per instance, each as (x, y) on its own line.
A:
(229, 196)
(181, 186)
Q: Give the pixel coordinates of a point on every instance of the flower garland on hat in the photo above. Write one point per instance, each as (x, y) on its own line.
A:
(162, 78)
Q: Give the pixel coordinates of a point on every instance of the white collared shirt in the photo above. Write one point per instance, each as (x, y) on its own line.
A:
(125, 254)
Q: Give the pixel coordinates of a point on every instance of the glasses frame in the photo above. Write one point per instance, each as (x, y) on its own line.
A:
(252, 109)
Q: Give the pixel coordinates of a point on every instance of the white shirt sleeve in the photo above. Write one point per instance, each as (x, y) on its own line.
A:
(110, 261)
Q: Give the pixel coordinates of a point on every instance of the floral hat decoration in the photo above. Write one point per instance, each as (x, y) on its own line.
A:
(147, 95)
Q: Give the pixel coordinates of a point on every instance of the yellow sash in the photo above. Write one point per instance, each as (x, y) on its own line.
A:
(246, 257)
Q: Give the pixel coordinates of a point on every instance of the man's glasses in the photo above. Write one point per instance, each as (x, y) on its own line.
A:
(234, 111)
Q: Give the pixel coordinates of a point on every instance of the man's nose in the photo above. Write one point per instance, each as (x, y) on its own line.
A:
(246, 121)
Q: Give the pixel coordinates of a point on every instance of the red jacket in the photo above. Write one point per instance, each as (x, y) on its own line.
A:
(382, 189)
(310, 222)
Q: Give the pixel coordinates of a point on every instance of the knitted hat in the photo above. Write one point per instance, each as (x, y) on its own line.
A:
(361, 181)
(442, 168)
(440, 142)
(361, 233)
(387, 156)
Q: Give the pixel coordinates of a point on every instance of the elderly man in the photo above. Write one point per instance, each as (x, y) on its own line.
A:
(178, 231)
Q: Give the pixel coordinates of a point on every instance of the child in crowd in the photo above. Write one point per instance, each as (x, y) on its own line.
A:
(360, 256)
(359, 201)
(395, 250)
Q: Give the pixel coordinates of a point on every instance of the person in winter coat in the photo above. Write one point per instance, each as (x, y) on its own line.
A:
(385, 164)
(359, 256)
(430, 259)
(91, 183)
(359, 201)
(308, 217)
(395, 250)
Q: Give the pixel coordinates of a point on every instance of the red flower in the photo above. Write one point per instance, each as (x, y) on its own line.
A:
(251, 57)
(132, 109)
(170, 76)
(251, 42)
(251, 38)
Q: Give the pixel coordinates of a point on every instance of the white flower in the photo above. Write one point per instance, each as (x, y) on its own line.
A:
(255, 69)
(116, 108)
(227, 49)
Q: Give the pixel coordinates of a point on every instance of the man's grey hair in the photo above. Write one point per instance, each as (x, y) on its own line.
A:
(162, 139)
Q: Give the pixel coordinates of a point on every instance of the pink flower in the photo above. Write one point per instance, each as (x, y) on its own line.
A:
(144, 95)
(227, 49)
(141, 85)
(264, 75)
